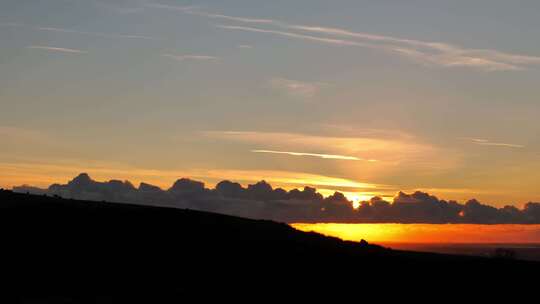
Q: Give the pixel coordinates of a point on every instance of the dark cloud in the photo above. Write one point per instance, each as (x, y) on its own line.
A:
(262, 201)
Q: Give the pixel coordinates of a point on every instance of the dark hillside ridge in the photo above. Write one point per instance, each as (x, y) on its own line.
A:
(62, 244)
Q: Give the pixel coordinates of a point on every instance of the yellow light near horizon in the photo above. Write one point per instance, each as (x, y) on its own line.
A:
(357, 197)
(356, 232)
(427, 233)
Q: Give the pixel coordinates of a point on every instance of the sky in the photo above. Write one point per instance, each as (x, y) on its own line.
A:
(428, 234)
(365, 97)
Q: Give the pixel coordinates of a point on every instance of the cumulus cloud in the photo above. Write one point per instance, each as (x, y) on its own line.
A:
(262, 201)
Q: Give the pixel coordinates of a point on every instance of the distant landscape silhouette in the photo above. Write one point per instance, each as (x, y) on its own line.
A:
(56, 245)
(261, 201)
(342, 151)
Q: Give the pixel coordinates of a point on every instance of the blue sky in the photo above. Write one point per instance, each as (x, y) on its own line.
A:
(433, 95)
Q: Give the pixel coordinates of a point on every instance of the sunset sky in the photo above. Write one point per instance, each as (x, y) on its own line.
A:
(364, 97)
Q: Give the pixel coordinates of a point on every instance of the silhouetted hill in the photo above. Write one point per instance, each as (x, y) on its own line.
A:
(58, 244)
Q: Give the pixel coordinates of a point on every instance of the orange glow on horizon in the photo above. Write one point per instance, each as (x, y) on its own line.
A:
(427, 233)
(36, 173)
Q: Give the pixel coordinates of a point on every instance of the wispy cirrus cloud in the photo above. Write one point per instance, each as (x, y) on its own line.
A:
(195, 10)
(296, 88)
(426, 45)
(186, 8)
(323, 156)
(231, 18)
(426, 53)
(191, 57)
(120, 7)
(57, 49)
(429, 53)
(77, 32)
(295, 35)
(436, 52)
(486, 142)
(380, 146)
(104, 35)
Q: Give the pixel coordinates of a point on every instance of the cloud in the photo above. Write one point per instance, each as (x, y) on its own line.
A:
(290, 178)
(431, 53)
(170, 7)
(486, 142)
(380, 145)
(296, 88)
(457, 60)
(262, 201)
(70, 31)
(35, 171)
(57, 49)
(324, 156)
(245, 46)
(190, 57)
(230, 18)
(366, 36)
(120, 7)
(194, 10)
(419, 45)
(296, 35)
(427, 53)
(104, 35)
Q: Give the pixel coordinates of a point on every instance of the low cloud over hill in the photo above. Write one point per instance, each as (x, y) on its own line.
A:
(260, 200)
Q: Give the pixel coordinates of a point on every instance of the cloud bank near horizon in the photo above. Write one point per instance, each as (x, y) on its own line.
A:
(262, 201)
